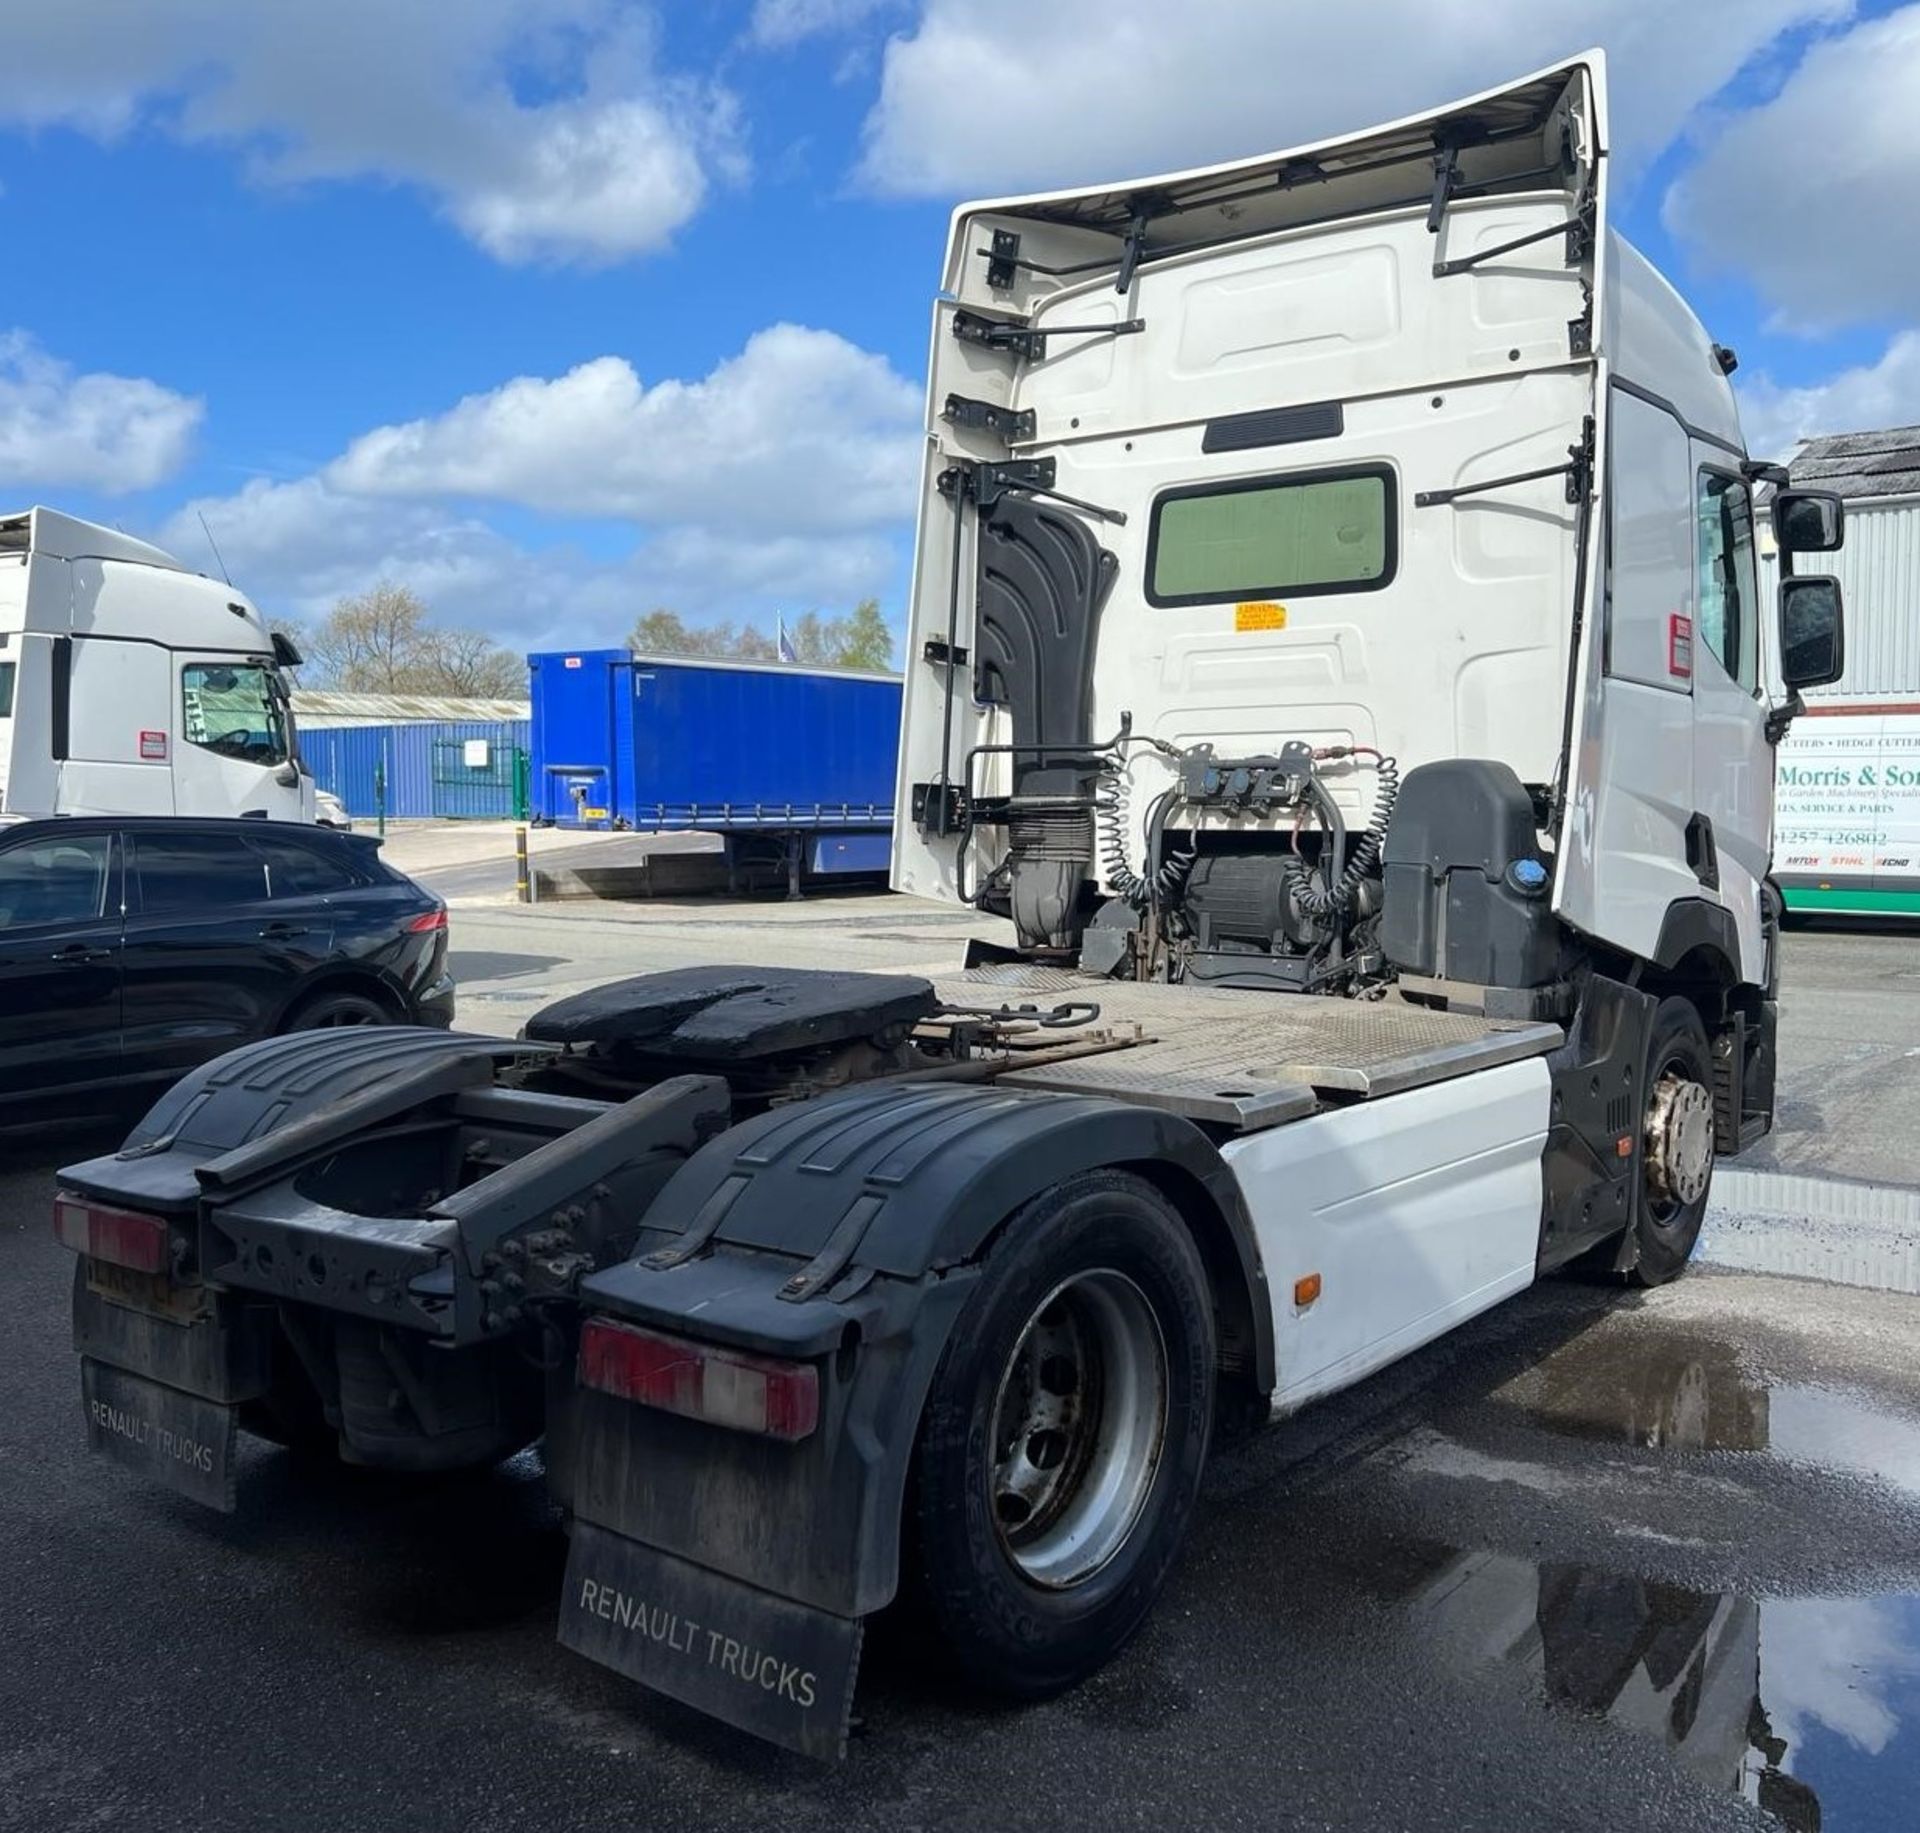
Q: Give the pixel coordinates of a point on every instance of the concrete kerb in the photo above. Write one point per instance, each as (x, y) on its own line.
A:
(1814, 1228)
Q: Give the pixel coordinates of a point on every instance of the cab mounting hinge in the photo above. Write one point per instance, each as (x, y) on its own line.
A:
(1578, 471)
(1023, 342)
(1002, 259)
(1578, 230)
(1580, 463)
(1580, 330)
(1013, 424)
(983, 485)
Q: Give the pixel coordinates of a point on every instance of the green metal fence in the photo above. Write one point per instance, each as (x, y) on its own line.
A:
(476, 779)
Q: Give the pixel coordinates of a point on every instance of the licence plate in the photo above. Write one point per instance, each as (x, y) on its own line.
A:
(762, 1663)
(153, 1293)
(177, 1439)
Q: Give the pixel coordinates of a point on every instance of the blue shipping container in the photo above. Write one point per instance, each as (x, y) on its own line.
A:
(647, 742)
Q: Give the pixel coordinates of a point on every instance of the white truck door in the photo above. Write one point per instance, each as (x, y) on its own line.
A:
(118, 697)
(1632, 794)
(1732, 761)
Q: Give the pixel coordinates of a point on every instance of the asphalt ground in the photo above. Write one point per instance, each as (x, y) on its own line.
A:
(1589, 1562)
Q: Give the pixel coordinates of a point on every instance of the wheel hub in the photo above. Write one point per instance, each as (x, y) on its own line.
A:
(1076, 1428)
(1679, 1140)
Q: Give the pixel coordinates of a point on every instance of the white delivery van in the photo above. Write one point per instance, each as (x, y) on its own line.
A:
(129, 685)
(1847, 802)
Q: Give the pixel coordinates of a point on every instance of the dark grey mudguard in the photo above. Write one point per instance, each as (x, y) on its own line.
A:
(848, 1232)
(268, 1087)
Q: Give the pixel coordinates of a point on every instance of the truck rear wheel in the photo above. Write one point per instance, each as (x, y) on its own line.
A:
(1062, 1446)
(1676, 1144)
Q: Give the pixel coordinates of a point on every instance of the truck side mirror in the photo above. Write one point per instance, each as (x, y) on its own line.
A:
(1812, 630)
(1808, 521)
(286, 651)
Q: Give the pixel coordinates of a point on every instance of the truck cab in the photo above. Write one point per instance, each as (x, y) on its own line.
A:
(129, 685)
(1389, 449)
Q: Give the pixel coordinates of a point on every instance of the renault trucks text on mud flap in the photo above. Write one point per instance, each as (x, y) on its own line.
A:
(1336, 650)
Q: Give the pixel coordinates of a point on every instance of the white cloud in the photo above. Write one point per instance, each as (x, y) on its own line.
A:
(1776, 418)
(1816, 194)
(298, 547)
(778, 23)
(1837, 1662)
(98, 431)
(780, 481)
(801, 430)
(990, 95)
(540, 127)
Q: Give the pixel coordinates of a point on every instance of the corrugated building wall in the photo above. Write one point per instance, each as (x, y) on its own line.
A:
(447, 768)
(1877, 474)
(1879, 573)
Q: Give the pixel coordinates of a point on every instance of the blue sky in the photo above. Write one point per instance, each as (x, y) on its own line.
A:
(562, 309)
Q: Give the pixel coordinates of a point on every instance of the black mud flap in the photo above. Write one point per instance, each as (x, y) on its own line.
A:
(177, 1439)
(761, 1663)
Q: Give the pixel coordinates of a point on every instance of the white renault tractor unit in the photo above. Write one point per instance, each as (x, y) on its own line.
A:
(1336, 650)
(130, 686)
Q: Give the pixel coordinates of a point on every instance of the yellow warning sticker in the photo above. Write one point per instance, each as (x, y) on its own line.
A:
(1259, 617)
(593, 814)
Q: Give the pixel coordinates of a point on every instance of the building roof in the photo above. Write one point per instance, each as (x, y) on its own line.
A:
(1886, 463)
(329, 709)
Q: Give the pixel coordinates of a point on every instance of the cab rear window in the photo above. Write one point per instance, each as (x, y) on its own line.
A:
(1319, 531)
(6, 690)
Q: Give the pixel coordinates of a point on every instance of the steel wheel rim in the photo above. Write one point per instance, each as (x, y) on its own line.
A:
(1079, 1419)
(1678, 1148)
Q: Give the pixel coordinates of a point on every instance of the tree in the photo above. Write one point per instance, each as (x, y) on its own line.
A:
(865, 641)
(472, 664)
(364, 644)
(381, 642)
(859, 640)
(666, 633)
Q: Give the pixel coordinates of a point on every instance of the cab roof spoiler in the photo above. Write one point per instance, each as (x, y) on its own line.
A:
(1544, 131)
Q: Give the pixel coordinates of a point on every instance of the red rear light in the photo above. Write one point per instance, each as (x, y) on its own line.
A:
(118, 1235)
(724, 1387)
(428, 921)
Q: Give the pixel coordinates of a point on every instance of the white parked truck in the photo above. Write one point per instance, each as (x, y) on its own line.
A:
(130, 686)
(1335, 648)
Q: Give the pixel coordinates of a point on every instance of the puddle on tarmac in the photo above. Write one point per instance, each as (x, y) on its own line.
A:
(1673, 1391)
(1809, 1707)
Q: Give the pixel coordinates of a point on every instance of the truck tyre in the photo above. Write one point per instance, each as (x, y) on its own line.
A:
(1676, 1144)
(327, 1011)
(1064, 1436)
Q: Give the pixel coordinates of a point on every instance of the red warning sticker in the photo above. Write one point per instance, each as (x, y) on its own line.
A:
(153, 747)
(1680, 645)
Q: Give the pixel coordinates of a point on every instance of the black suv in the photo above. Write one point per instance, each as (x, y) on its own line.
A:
(132, 948)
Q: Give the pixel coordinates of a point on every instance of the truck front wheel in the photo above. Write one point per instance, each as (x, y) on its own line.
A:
(1676, 1145)
(1061, 1449)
